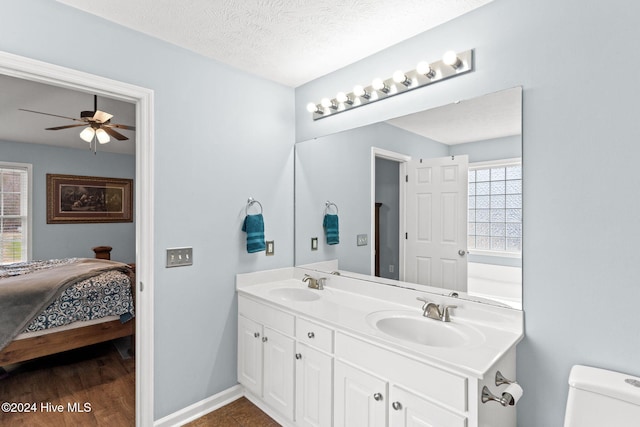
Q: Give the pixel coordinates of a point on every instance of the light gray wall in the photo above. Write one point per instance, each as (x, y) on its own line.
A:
(509, 147)
(338, 168)
(581, 223)
(214, 147)
(72, 240)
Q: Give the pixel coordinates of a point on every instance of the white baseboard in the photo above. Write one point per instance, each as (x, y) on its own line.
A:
(201, 408)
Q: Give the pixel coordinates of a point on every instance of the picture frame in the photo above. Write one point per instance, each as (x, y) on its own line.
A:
(75, 199)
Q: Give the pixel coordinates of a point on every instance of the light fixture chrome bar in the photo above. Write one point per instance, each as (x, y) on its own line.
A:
(364, 95)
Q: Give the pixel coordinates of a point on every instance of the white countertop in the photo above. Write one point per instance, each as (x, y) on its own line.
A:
(345, 304)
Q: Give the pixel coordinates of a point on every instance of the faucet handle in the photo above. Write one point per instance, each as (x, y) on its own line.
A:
(321, 282)
(424, 300)
(445, 312)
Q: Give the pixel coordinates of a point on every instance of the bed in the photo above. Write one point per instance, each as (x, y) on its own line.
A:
(93, 302)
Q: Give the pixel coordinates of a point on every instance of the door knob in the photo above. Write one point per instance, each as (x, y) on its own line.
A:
(256, 334)
(311, 335)
(377, 397)
(298, 356)
(264, 339)
(396, 405)
(462, 252)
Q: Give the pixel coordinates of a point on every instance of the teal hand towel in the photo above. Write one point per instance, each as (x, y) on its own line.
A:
(254, 227)
(330, 224)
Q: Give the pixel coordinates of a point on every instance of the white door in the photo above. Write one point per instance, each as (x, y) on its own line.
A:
(360, 398)
(436, 222)
(410, 410)
(278, 371)
(250, 355)
(314, 387)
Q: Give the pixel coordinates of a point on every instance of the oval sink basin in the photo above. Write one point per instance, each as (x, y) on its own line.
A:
(415, 328)
(295, 294)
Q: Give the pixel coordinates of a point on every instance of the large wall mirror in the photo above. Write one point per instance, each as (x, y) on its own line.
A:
(431, 201)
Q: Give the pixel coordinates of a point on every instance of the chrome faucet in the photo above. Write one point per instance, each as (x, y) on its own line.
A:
(432, 310)
(314, 283)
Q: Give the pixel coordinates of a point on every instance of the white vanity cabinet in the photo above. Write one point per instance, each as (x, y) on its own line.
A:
(266, 354)
(314, 374)
(360, 398)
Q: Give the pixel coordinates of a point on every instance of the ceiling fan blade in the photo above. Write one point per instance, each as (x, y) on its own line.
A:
(49, 114)
(101, 116)
(113, 133)
(65, 127)
(119, 126)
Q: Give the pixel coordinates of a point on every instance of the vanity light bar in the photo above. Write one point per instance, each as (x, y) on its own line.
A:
(452, 65)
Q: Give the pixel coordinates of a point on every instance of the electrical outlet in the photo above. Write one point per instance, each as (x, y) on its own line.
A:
(179, 257)
(270, 248)
(363, 240)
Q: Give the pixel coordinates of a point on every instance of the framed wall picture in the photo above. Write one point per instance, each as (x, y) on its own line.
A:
(83, 199)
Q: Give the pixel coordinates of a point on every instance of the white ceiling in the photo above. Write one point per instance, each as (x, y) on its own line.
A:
(287, 41)
(494, 115)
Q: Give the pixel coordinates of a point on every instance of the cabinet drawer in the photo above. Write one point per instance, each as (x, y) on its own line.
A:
(268, 316)
(314, 335)
(441, 386)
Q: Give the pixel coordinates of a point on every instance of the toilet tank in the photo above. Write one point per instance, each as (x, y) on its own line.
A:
(598, 397)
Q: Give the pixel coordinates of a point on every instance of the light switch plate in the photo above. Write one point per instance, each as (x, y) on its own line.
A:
(270, 248)
(363, 240)
(314, 243)
(179, 257)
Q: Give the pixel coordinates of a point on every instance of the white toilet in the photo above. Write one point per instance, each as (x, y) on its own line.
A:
(599, 398)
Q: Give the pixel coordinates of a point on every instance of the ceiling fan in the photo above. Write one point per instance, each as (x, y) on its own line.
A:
(97, 124)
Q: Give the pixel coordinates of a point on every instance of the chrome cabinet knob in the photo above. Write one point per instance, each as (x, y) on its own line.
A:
(264, 339)
(256, 334)
(311, 335)
(377, 397)
(396, 405)
(298, 356)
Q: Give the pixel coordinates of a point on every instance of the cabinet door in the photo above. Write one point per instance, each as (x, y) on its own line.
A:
(314, 375)
(279, 370)
(410, 410)
(360, 398)
(250, 355)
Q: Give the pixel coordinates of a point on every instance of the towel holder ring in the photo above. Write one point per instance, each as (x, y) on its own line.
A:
(327, 206)
(250, 202)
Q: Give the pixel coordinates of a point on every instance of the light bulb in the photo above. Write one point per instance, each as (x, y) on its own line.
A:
(102, 135)
(87, 134)
(378, 84)
(343, 98)
(328, 103)
(425, 69)
(400, 77)
(313, 108)
(451, 59)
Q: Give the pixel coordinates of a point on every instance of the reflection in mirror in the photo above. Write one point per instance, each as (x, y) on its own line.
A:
(430, 201)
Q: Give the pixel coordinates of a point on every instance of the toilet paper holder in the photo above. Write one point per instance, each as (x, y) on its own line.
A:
(506, 399)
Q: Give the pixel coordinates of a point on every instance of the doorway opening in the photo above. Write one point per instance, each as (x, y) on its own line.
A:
(41, 72)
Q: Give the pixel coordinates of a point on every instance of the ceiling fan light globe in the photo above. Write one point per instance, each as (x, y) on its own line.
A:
(103, 137)
(87, 134)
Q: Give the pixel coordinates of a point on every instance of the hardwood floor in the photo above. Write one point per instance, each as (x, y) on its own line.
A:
(94, 379)
(240, 413)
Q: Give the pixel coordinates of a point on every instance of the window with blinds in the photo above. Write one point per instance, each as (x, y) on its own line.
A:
(14, 212)
(495, 207)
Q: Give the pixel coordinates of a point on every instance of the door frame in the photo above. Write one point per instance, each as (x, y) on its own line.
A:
(402, 159)
(43, 72)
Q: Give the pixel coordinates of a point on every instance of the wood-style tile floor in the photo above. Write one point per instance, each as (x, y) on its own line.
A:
(96, 375)
(240, 413)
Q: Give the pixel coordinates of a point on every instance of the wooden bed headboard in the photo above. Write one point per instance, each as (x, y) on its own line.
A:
(102, 252)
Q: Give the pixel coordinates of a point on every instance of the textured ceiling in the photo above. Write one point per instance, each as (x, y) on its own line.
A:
(287, 41)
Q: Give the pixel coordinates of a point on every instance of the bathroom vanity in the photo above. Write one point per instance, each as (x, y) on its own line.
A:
(357, 353)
